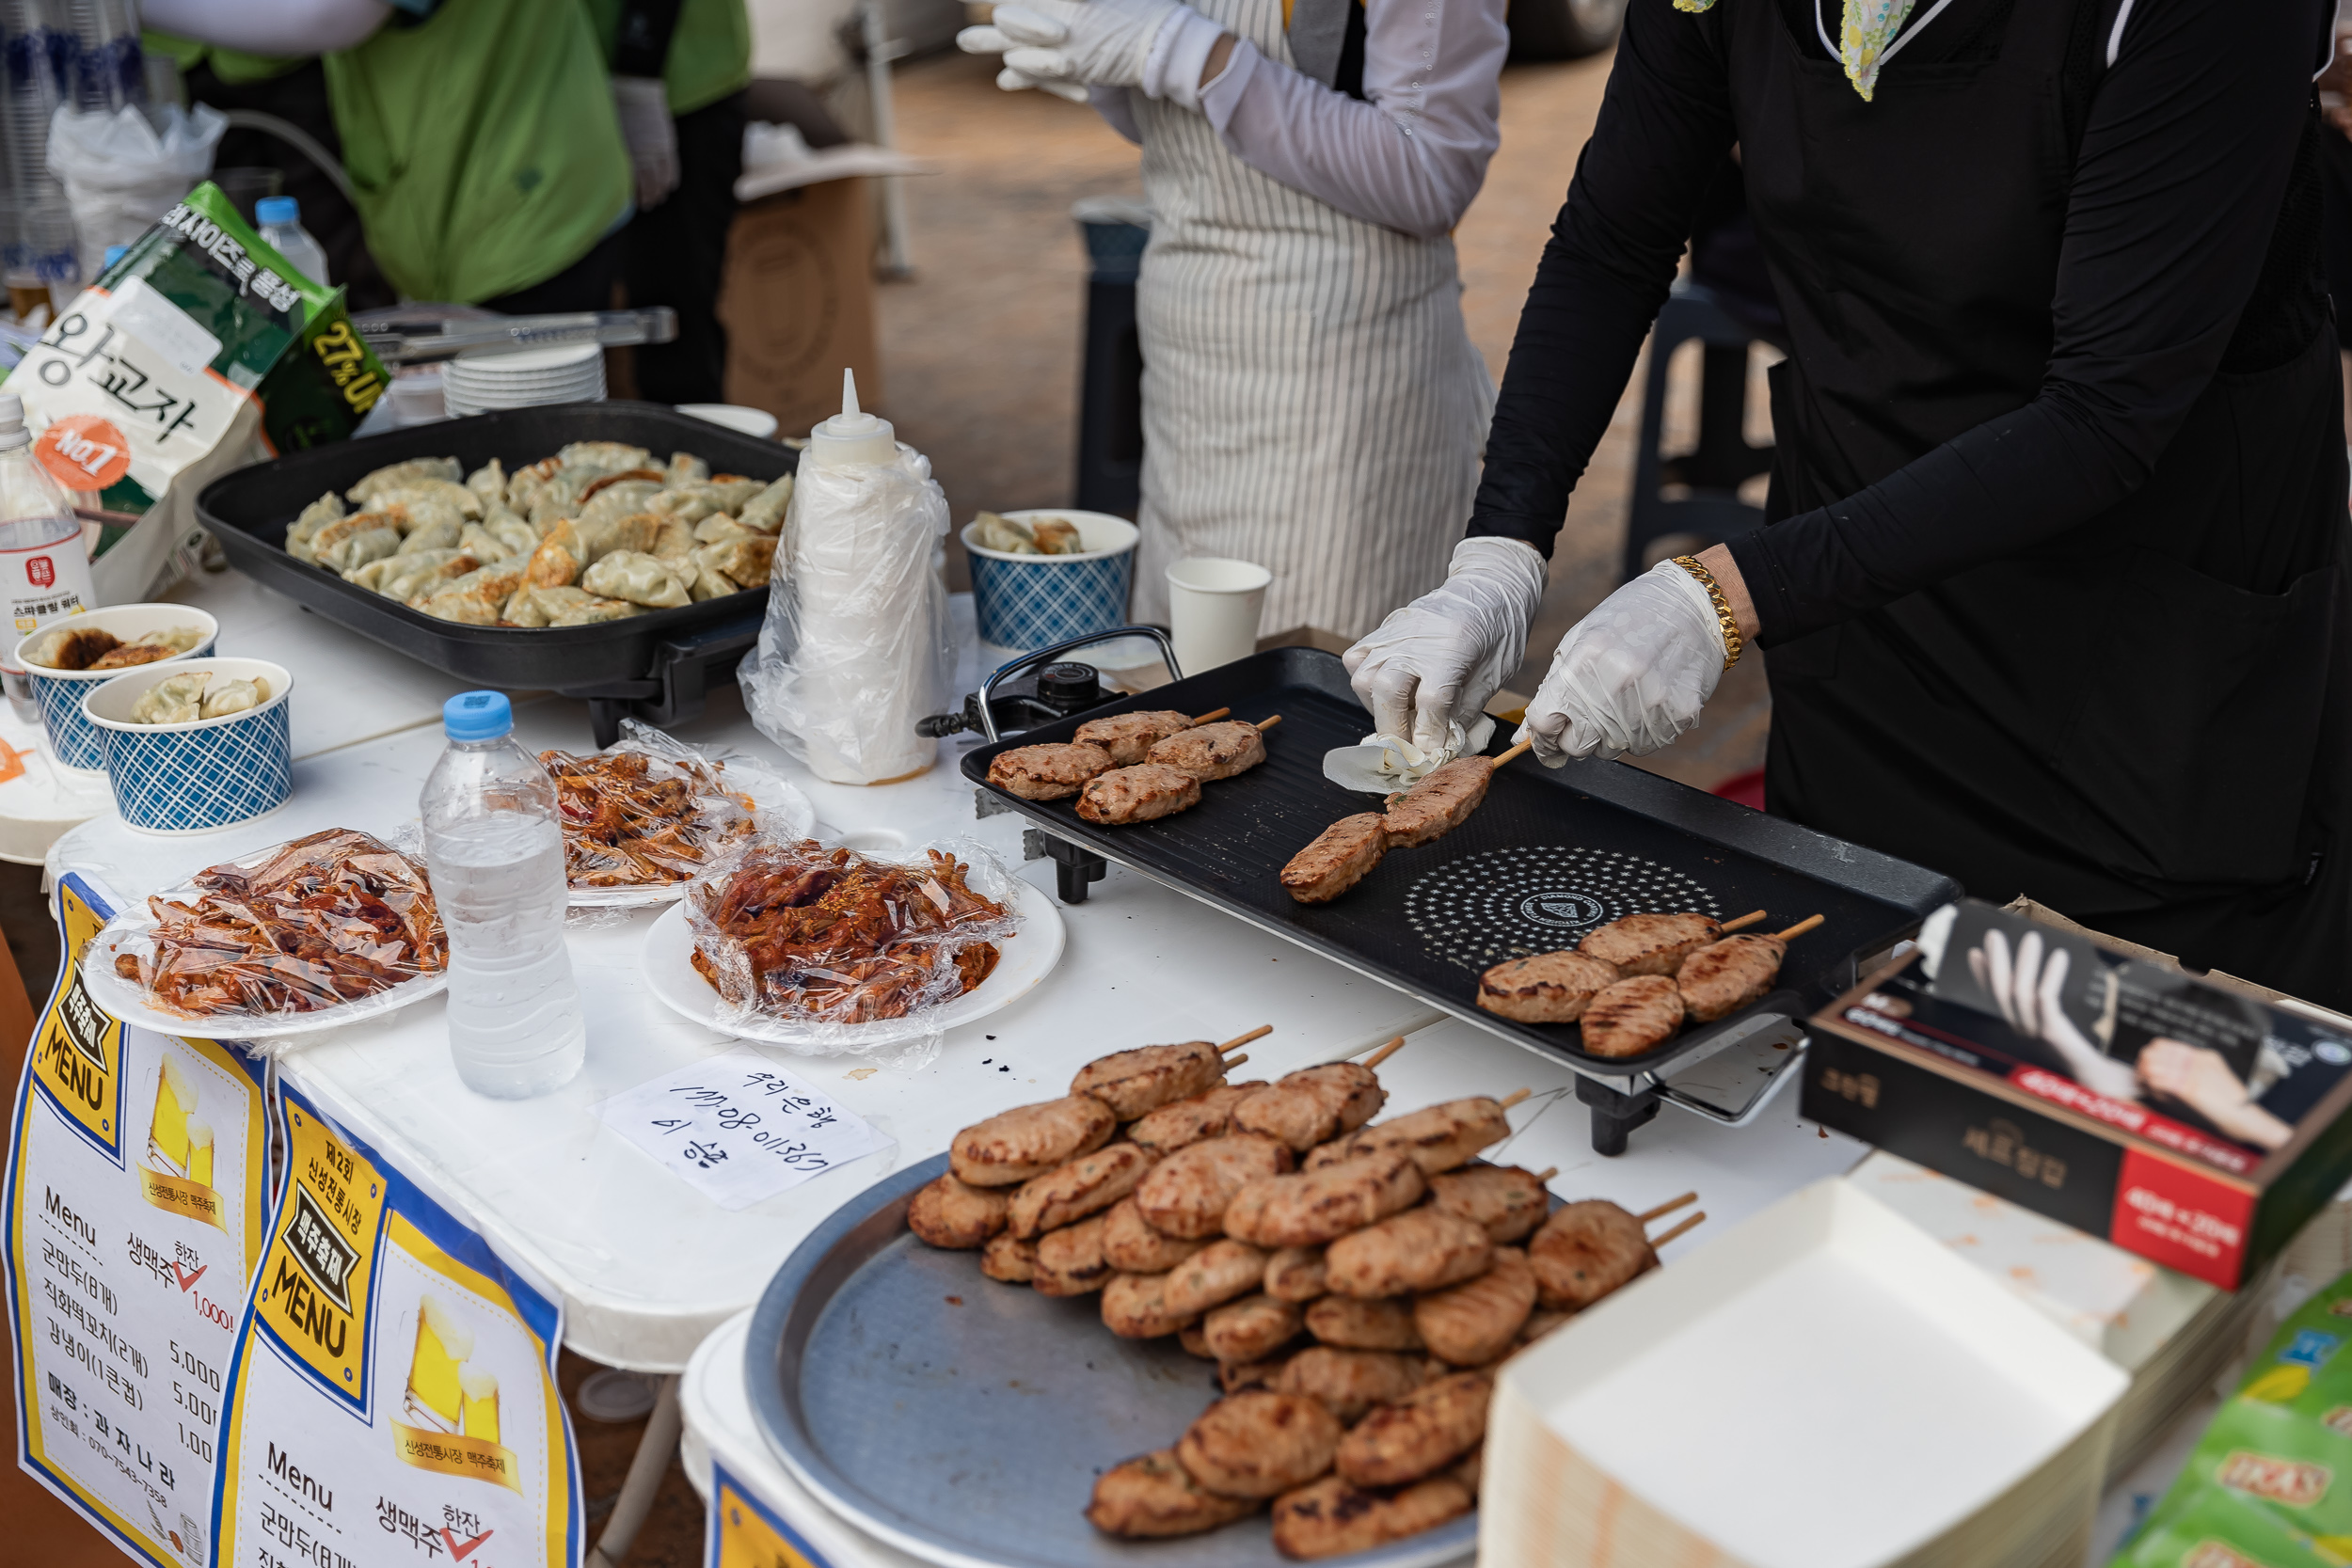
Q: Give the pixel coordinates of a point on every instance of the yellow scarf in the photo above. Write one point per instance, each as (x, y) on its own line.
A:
(1868, 30)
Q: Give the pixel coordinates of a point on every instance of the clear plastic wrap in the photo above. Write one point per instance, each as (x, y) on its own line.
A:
(855, 648)
(645, 816)
(321, 924)
(850, 949)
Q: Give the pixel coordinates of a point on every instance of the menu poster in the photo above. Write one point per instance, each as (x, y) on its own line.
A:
(392, 1398)
(743, 1533)
(133, 1200)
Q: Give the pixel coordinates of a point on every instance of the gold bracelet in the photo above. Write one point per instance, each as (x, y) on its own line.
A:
(1730, 623)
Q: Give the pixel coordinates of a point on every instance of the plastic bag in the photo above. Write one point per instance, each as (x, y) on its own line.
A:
(840, 941)
(645, 816)
(121, 173)
(855, 647)
(321, 922)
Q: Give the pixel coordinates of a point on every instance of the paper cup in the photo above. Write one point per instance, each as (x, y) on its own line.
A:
(74, 742)
(1212, 610)
(1026, 602)
(208, 773)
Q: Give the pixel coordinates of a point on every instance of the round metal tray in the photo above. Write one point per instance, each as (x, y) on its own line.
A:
(964, 1421)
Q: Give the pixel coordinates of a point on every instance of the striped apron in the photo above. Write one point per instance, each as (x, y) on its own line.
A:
(1310, 398)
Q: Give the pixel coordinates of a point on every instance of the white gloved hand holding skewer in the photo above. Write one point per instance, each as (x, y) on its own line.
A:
(1427, 670)
(1066, 46)
(1631, 675)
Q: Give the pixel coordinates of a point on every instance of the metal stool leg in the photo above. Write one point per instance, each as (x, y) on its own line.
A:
(646, 1470)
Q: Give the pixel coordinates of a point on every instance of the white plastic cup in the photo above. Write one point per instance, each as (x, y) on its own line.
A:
(1212, 610)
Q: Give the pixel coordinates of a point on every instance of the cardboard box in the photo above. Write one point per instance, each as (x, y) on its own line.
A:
(2209, 1129)
(797, 301)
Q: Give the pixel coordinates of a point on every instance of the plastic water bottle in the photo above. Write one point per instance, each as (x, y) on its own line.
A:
(494, 847)
(280, 218)
(44, 566)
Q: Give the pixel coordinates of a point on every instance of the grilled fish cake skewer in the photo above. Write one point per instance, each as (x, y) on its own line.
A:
(1353, 1325)
(1136, 1083)
(1188, 1193)
(1009, 1259)
(1314, 1104)
(1029, 1140)
(1341, 855)
(1218, 1273)
(1649, 944)
(1070, 1193)
(1471, 1323)
(1437, 1137)
(1633, 1015)
(1130, 736)
(1256, 1445)
(1153, 1497)
(1070, 1260)
(1131, 1246)
(1548, 987)
(1720, 979)
(1214, 751)
(1295, 1273)
(1586, 1251)
(1134, 1306)
(1444, 800)
(1350, 1382)
(1420, 1434)
(1508, 1200)
(1332, 1517)
(1251, 1328)
(1190, 1121)
(1423, 1249)
(954, 1214)
(1052, 772)
(1144, 793)
(1323, 1205)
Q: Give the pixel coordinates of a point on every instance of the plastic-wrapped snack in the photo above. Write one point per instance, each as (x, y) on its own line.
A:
(802, 932)
(647, 812)
(316, 922)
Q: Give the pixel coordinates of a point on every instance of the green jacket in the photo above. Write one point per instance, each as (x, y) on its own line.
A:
(711, 52)
(482, 144)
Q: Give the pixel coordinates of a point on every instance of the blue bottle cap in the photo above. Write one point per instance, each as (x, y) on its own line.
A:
(477, 716)
(115, 252)
(278, 208)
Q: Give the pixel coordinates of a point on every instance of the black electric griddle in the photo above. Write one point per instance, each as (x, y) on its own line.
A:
(1548, 857)
(656, 666)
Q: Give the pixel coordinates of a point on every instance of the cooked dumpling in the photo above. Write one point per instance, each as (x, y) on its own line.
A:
(147, 647)
(482, 542)
(564, 607)
(1005, 535)
(720, 526)
(234, 696)
(326, 509)
(489, 483)
(638, 578)
(609, 456)
(173, 700)
(672, 541)
(440, 534)
(731, 491)
(743, 561)
(638, 532)
(428, 498)
(474, 599)
(515, 534)
(556, 563)
(710, 582)
(621, 499)
(72, 647)
(373, 574)
(765, 511)
(685, 469)
(355, 551)
(408, 576)
(398, 474)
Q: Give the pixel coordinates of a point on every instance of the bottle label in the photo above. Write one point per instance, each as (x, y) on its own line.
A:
(40, 583)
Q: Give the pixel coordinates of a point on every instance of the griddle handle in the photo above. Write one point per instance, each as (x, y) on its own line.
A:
(1614, 1114)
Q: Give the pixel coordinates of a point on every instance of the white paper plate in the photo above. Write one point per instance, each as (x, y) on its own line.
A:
(787, 816)
(1028, 956)
(123, 999)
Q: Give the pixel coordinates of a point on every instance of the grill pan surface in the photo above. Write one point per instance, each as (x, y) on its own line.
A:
(250, 509)
(1549, 856)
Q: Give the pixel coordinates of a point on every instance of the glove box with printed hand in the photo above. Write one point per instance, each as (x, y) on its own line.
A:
(2196, 1125)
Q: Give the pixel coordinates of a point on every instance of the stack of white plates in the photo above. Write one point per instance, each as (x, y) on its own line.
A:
(481, 383)
(1824, 1386)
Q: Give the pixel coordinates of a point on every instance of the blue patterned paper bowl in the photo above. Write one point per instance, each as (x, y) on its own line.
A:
(209, 773)
(1026, 602)
(74, 742)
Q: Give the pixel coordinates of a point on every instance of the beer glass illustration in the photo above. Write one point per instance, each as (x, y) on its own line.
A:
(481, 1403)
(434, 1397)
(200, 1153)
(167, 1133)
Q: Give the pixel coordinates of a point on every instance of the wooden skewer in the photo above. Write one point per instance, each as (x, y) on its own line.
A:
(1801, 928)
(1232, 1062)
(1667, 1208)
(1238, 1041)
(1514, 752)
(1515, 1097)
(1748, 919)
(1678, 1229)
(1213, 714)
(1266, 725)
(1385, 1052)
(1546, 1173)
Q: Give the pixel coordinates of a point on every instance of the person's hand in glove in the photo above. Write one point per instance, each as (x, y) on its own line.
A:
(2029, 987)
(1631, 675)
(651, 135)
(1434, 663)
(1161, 46)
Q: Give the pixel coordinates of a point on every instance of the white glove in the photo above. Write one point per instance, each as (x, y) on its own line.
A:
(1435, 662)
(1010, 80)
(1158, 45)
(2028, 990)
(644, 105)
(1631, 675)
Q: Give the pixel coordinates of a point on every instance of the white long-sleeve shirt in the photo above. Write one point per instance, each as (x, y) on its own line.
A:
(1409, 155)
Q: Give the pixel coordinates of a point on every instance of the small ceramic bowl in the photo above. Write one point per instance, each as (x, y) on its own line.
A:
(1025, 602)
(209, 773)
(74, 742)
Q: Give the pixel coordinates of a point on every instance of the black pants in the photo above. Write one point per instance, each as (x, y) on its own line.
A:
(585, 285)
(674, 255)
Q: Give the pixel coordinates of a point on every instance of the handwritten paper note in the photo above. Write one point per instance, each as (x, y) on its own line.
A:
(738, 1128)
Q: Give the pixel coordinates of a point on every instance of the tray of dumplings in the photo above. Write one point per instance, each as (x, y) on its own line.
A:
(576, 547)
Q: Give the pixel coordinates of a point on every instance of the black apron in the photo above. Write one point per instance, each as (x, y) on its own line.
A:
(2144, 723)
